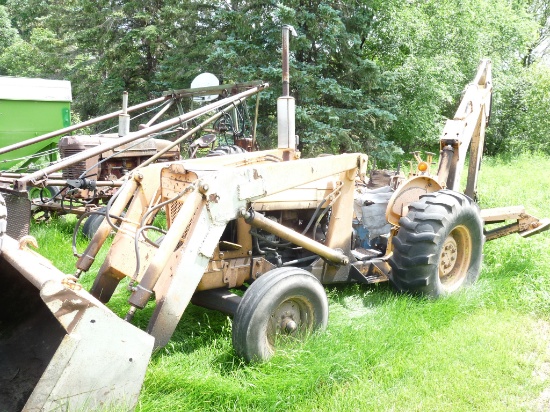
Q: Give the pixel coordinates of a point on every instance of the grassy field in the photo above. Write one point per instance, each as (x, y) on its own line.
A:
(486, 348)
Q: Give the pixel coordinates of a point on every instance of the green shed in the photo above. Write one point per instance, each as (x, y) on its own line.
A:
(30, 108)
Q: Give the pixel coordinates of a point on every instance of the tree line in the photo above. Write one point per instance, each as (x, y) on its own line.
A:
(378, 76)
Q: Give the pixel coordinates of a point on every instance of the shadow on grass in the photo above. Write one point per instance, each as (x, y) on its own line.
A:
(198, 328)
(371, 295)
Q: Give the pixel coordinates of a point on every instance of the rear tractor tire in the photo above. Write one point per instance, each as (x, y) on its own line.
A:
(93, 222)
(282, 305)
(44, 193)
(225, 150)
(439, 246)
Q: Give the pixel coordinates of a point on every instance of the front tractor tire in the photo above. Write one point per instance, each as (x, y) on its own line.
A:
(439, 246)
(281, 305)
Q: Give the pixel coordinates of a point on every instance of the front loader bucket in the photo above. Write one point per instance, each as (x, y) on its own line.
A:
(60, 348)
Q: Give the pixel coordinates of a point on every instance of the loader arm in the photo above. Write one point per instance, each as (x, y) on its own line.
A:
(202, 196)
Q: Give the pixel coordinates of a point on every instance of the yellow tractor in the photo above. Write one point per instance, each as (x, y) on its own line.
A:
(255, 235)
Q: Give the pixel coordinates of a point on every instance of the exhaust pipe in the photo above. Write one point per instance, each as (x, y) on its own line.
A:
(124, 117)
(286, 105)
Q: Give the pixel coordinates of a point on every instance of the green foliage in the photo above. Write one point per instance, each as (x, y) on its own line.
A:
(342, 104)
(37, 57)
(376, 76)
(8, 34)
(521, 106)
(432, 48)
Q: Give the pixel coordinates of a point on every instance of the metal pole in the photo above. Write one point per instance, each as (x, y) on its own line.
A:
(182, 138)
(21, 184)
(255, 127)
(156, 116)
(286, 106)
(285, 64)
(98, 183)
(80, 125)
(124, 117)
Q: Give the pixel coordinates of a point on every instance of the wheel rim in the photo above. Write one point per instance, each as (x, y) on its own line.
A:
(455, 257)
(36, 192)
(291, 320)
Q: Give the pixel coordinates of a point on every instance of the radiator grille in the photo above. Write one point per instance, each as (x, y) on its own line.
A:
(74, 171)
(19, 214)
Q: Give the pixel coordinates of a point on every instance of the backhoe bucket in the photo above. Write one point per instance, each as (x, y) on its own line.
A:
(60, 348)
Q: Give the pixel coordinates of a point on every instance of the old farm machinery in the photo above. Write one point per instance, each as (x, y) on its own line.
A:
(91, 167)
(270, 223)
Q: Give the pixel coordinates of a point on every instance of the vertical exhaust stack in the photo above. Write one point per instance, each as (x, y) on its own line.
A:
(124, 117)
(286, 106)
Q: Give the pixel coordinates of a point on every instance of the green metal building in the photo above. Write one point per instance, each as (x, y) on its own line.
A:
(30, 108)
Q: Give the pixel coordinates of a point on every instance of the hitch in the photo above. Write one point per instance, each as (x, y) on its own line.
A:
(525, 224)
(82, 184)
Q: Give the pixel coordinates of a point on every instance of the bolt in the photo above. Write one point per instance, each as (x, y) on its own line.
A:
(289, 326)
(204, 188)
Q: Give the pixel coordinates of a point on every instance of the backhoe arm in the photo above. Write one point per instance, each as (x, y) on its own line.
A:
(466, 131)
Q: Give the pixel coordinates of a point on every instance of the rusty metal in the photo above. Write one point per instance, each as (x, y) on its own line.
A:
(166, 96)
(466, 130)
(98, 183)
(227, 184)
(222, 89)
(371, 271)
(126, 193)
(255, 125)
(446, 156)
(217, 299)
(205, 252)
(80, 125)
(409, 191)
(21, 184)
(228, 273)
(19, 207)
(62, 351)
(186, 135)
(522, 223)
(189, 210)
(285, 61)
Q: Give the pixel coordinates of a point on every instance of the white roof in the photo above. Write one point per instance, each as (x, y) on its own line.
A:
(22, 88)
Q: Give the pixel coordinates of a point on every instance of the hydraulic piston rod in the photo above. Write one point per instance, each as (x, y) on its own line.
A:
(261, 222)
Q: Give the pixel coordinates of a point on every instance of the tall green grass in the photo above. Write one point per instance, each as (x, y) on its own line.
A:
(486, 348)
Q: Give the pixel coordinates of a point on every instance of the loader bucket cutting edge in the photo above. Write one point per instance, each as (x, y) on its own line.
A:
(60, 347)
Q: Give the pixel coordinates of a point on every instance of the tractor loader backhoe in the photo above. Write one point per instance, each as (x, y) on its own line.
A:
(254, 235)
